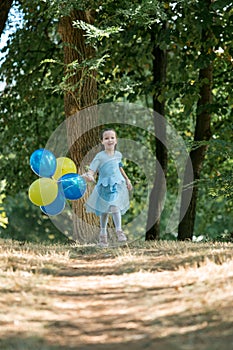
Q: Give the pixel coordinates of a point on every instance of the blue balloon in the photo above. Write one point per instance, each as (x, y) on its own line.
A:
(43, 162)
(57, 206)
(74, 185)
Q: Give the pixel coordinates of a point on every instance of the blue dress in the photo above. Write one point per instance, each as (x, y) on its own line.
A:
(111, 189)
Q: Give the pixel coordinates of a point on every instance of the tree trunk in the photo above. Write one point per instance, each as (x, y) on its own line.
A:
(202, 133)
(157, 194)
(5, 7)
(83, 134)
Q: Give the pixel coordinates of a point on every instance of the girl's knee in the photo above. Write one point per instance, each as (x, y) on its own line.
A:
(114, 209)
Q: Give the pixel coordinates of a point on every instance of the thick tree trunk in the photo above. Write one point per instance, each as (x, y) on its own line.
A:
(202, 133)
(5, 7)
(157, 194)
(83, 135)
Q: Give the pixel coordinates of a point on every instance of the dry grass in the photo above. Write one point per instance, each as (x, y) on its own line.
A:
(161, 295)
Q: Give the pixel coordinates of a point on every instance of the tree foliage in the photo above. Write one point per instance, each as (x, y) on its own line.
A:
(32, 105)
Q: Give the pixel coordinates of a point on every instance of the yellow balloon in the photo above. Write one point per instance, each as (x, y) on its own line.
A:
(43, 191)
(64, 166)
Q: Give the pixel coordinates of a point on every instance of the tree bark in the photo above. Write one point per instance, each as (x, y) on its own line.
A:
(157, 194)
(5, 7)
(83, 134)
(197, 155)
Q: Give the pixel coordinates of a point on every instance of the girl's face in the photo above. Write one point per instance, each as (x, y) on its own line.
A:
(109, 140)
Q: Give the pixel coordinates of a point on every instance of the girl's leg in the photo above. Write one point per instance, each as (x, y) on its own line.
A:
(103, 239)
(116, 215)
(103, 223)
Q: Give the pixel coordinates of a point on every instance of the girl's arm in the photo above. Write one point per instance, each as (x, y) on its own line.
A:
(93, 167)
(127, 180)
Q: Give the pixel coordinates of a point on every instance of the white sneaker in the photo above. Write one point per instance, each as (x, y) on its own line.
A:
(103, 241)
(121, 236)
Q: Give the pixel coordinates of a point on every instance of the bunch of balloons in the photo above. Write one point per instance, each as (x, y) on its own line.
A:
(58, 182)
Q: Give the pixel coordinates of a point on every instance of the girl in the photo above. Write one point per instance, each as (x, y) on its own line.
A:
(110, 194)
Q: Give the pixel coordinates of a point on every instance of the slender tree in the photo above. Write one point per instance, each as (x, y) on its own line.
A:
(158, 191)
(202, 133)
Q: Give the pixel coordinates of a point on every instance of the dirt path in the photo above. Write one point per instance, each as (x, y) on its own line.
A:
(179, 297)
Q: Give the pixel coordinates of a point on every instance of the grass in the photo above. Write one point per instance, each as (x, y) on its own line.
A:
(158, 295)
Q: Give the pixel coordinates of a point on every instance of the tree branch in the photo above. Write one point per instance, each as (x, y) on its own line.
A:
(5, 7)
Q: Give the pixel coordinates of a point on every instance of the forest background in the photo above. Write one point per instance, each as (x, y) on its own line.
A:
(128, 41)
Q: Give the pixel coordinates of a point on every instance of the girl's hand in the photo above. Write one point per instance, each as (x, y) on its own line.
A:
(129, 185)
(88, 177)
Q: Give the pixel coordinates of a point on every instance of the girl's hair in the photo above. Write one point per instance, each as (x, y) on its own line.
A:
(104, 130)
